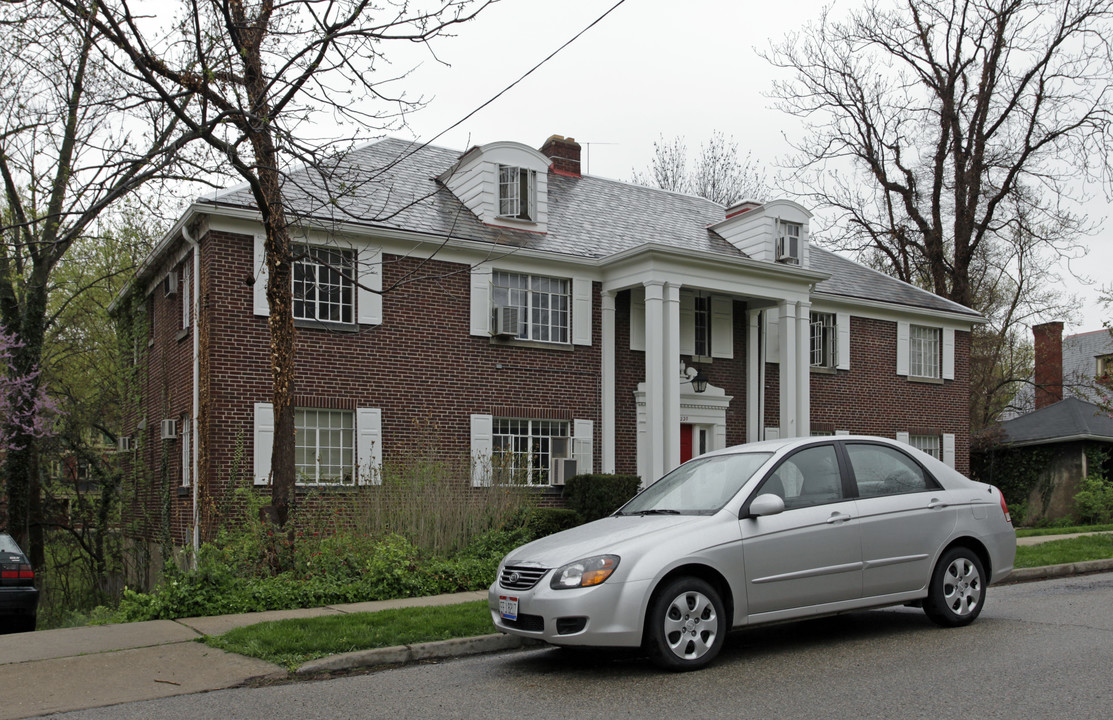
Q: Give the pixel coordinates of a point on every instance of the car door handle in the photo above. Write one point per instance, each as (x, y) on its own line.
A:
(838, 517)
(936, 503)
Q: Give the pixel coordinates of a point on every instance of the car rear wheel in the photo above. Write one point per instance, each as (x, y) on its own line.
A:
(686, 624)
(957, 591)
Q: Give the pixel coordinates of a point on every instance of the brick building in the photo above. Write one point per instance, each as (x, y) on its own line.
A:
(497, 304)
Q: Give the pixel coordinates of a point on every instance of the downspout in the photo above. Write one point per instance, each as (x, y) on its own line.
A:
(195, 434)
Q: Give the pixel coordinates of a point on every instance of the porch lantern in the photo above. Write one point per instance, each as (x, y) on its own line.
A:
(699, 381)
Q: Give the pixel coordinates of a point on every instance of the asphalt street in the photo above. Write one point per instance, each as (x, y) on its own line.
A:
(1040, 649)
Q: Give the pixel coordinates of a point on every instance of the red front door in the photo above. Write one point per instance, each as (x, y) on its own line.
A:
(686, 434)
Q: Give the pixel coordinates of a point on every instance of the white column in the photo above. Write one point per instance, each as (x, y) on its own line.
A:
(788, 369)
(670, 353)
(607, 383)
(753, 377)
(803, 369)
(654, 451)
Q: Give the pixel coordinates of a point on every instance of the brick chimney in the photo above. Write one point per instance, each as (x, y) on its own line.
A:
(1049, 363)
(565, 154)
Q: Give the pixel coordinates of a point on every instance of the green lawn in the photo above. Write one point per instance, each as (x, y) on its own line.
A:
(1040, 532)
(1057, 552)
(290, 643)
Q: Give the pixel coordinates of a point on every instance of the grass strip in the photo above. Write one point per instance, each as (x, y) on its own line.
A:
(290, 643)
(1058, 552)
(1039, 532)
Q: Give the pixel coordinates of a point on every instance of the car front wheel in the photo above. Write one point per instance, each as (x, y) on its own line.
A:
(957, 591)
(686, 624)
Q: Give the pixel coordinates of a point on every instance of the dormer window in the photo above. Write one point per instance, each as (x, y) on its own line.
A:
(517, 192)
(788, 242)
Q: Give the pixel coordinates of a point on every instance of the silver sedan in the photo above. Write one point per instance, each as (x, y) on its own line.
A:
(762, 533)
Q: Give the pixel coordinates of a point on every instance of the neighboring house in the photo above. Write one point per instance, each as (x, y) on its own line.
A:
(1084, 357)
(1069, 426)
(497, 305)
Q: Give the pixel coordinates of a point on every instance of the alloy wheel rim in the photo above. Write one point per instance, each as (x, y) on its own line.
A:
(962, 587)
(691, 625)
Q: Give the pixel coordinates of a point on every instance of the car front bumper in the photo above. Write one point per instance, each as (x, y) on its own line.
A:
(607, 615)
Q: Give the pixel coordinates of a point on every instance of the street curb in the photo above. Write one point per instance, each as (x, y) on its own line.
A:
(1047, 572)
(401, 654)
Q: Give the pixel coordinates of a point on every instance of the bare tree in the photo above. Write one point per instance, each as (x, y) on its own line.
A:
(962, 123)
(951, 140)
(74, 139)
(718, 174)
(255, 81)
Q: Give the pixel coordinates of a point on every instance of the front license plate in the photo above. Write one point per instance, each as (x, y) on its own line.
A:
(508, 607)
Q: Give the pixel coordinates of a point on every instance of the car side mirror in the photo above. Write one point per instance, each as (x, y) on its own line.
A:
(767, 504)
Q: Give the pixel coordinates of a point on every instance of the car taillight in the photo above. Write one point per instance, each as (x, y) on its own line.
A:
(1005, 508)
(17, 572)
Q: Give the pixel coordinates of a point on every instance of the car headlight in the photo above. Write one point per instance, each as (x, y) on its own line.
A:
(584, 573)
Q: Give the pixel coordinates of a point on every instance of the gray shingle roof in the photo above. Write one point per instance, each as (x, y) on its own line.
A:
(392, 184)
(1067, 419)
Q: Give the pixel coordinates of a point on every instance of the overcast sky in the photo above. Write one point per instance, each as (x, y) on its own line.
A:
(651, 68)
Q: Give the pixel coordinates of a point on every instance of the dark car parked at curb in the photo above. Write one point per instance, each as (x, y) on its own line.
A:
(19, 598)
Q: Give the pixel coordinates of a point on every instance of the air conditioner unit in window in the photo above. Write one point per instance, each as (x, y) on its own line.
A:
(560, 469)
(785, 248)
(169, 429)
(506, 322)
(170, 284)
(123, 443)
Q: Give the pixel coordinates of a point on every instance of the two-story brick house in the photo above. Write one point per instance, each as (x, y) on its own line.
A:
(496, 302)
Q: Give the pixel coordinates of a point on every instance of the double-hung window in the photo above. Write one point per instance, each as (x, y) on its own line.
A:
(543, 304)
(924, 355)
(824, 340)
(323, 288)
(926, 443)
(788, 242)
(324, 446)
(517, 192)
(523, 449)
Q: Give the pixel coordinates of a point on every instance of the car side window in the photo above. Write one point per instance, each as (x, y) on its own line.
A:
(809, 477)
(881, 471)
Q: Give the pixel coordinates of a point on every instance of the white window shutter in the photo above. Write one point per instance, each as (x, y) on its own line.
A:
(949, 449)
(722, 327)
(584, 442)
(481, 301)
(259, 289)
(264, 442)
(842, 327)
(369, 445)
(581, 311)
(948, 353)
(902, 348)
(904, 438)
(637, 319)
(369, 293)
(482, 446)
(687, 323)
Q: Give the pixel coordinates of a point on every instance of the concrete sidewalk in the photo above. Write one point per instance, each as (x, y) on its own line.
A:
(76, 668)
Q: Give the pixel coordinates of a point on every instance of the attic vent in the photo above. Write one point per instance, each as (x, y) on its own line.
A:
(506, 322)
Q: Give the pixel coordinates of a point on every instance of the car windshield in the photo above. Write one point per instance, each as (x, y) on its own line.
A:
(700, 486)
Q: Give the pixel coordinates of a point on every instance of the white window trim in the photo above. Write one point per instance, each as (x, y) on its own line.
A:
(187, 294)
(369, 301)
(368, 444)
(581, 303)
(187, 450)
(515, 210)
(482, 447)
(946, 339)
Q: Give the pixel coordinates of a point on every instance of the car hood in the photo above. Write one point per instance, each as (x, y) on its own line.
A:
(608, 535)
